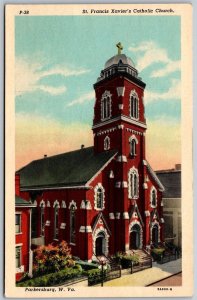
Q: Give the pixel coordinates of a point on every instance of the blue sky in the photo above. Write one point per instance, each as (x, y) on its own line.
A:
(58, 59)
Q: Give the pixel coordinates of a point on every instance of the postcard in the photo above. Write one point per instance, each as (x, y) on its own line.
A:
(98, 143)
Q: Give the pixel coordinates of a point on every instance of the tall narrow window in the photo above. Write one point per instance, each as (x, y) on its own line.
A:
(18, 257)
(42, 222)
(106, 106)
(106, 143)
(133, 147)
(72, 224)
(135, 185)
(99, 196)
(56, 217)
(134, 109)
(153, 196)
(17, 223)
(133, 179)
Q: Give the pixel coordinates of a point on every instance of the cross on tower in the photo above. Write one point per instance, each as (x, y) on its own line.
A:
(120, 47)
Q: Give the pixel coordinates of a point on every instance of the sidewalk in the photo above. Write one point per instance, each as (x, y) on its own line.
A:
(145, 277)
(148, 276)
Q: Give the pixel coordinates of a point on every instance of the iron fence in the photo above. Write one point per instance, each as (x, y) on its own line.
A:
(142, 265)
(104, 276)
(162, 259)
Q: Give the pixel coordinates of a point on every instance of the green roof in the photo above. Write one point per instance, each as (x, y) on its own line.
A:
(21, 202)
(74, 168)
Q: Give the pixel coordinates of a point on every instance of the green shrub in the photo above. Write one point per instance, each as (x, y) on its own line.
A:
(87, 266)
(52, 279)
(95, 276)
(94, 272)
(78, 267)
(157, 253)
(125, 260)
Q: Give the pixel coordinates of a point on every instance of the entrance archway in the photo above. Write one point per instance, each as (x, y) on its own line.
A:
(100, 244)
(134, 242)
(155, 234)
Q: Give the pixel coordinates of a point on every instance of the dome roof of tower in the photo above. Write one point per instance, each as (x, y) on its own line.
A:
(119, 59)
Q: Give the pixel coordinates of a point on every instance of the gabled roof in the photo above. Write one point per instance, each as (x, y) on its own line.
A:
(136, 209)
(153, 212)
(22, 202)
(98, 217)
(171, 180)
(69, 169)
(154, 175)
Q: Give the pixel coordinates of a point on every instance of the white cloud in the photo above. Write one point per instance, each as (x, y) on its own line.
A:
(171, 67)
(53, 90)
(174, 92)
(82, 99)
(149, 53)
(64, 71)
(143, 46)
(28, 74)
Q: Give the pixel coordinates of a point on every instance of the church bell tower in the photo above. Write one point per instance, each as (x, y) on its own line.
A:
(119, 105)
(119, 124)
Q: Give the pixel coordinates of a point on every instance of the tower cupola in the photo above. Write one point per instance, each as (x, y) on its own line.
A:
(117, 64)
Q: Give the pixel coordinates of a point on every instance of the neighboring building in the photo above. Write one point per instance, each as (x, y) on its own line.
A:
(22, 234)
(171, 180)
(105, 198)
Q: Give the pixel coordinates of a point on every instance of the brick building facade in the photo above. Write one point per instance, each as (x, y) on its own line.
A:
(105, 198)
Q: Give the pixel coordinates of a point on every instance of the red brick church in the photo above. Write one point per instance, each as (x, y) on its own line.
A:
(105, 198)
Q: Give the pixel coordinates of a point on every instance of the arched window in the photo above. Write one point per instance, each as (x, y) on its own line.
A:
(56, 217)
(72, 224)
(133, 147)
(135, 185)
(99, 197)
(106, 106)
(134, 105)
(133, 179)
(153, 197)
(106, 143)
(42, 221)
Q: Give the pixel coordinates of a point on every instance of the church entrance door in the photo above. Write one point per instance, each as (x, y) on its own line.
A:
(155, 235)
(135, 237)
(100, 244)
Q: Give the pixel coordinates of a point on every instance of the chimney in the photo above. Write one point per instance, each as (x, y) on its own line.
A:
(45, 155)
(178, 167)
(82, 146)
(17, 184)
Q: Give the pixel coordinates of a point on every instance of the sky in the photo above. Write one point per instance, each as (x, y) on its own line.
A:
(59, 58)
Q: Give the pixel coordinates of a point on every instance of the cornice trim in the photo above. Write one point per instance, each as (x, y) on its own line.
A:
(120, 118)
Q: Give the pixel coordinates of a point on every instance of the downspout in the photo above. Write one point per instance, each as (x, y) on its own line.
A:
(30, 251)
(85, 212)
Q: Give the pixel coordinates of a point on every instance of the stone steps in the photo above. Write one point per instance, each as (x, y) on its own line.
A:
(142, 254)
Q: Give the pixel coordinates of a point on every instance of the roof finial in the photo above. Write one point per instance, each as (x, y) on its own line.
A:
(120, 47)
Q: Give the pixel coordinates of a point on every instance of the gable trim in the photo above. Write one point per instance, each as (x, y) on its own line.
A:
(135, 208)
(99, 171)
(154, 176)
(99, 216)
(85, 186)
(122, 118)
